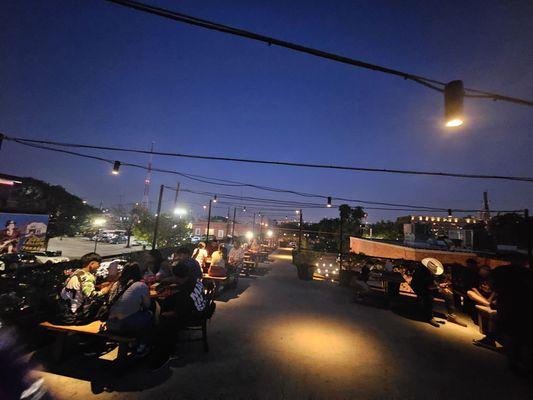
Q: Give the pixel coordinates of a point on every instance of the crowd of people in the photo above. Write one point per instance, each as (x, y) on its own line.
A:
(123, 299)
(498, 300)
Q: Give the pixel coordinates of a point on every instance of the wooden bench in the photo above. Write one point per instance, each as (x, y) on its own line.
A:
(90, 329)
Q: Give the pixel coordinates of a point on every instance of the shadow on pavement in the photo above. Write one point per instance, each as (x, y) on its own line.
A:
(233, 293)
(103, 374)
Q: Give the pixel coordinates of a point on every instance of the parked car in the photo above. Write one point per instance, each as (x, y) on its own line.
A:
(13, 261)
(138, 242)
(50, 257)
(119, 239)
(103, 269)
(196, 239)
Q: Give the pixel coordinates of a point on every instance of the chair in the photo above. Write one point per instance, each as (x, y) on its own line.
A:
(200, 324)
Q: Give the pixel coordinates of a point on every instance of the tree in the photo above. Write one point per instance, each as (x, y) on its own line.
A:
(325, 234)
(171, 231)
(68, 214)
(510, 229)
(387, 230)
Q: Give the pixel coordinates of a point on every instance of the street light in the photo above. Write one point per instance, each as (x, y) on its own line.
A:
(249, 235)
(98, 222)
(269, 233)
(453, 103)
(180, 211)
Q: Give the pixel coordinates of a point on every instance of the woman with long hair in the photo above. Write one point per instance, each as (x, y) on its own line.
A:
(130, 302)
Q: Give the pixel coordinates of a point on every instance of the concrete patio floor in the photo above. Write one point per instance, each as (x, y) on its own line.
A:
(278, 337)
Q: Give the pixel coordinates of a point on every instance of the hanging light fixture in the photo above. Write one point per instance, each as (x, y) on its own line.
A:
(449, 212)
(215, 198)
(244, 209)
(453, 103)
(116, 168)
(329, 202)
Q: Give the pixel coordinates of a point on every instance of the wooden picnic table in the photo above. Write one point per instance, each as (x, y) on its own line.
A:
(93, 328)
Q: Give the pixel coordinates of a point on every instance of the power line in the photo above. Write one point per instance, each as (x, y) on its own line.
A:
(406, 207)
(428, 82)
(270, 162)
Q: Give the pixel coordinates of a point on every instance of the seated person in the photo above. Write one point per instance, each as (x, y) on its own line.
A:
(484, 298)
(165, 272)
(360, 284)
(482, 293)
(235, 255)
(200, 254)
(181, 256)
(424, 285)
(189, 304)
(151, 265)
(130, 303)
(218, 263)
(79, 297)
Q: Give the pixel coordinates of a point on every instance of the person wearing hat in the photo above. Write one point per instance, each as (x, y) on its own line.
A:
(425, 287)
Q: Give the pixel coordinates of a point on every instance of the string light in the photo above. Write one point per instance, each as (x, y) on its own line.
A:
(453, 103)
(116, 168)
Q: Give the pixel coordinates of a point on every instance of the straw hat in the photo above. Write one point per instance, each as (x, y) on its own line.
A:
(434, 265)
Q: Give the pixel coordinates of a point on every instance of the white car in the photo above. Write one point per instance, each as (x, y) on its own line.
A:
(50, 257)
(103, 269)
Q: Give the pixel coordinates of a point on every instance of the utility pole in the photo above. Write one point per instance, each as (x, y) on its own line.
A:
(233, 225)
(156, 227)
(261, 229)
(253, 227)
(227, 224)
(340, 239)
(176, 196)
(301, 231)
(208, 221)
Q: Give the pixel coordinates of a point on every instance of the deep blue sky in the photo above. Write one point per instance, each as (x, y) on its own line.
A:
(94, 72)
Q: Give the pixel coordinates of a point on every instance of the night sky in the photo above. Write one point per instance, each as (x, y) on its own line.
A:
(94, 72)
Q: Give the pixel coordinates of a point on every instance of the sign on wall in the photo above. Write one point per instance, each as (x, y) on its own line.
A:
(22, 232)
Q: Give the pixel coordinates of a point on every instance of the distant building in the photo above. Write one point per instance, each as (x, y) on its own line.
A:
(467, 232)
(219, 229)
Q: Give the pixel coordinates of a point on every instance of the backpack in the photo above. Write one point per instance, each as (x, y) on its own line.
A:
(86, 311)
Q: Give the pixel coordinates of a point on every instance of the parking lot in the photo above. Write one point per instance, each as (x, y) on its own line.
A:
(78, 246)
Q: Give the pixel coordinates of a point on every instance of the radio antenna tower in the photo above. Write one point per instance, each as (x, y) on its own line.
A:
(145, 203)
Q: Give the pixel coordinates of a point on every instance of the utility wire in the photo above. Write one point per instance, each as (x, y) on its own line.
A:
(240, 198)
(428, 82)
(270, 162)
